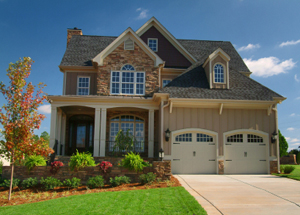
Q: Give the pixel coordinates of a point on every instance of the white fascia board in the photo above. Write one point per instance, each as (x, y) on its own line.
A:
(128, 33)
(218, 52)
(154, 22)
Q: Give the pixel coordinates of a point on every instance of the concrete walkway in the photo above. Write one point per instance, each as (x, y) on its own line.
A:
(244, 194)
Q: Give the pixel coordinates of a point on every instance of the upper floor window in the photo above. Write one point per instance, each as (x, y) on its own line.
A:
(153, 44)
(83, 87)
(126, 82)
(166, 81)
(219, 73)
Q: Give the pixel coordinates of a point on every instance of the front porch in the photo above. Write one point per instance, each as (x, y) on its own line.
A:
(93, 128)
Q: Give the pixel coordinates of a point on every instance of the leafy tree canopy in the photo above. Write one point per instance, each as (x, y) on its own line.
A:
(283, 144)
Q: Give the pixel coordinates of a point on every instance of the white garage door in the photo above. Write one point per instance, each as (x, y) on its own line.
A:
(193, 153)
(245, 154)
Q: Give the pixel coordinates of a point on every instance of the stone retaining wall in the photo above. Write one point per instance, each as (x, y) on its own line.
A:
(289, 159)
(161, 168)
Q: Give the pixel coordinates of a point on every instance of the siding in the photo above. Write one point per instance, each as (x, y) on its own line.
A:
(71, 82)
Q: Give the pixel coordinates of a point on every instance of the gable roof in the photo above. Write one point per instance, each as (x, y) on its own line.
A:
(193, 84)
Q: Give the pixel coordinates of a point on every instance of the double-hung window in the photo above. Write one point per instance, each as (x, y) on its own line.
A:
(153, 44)
(127, 81)
(83, 87)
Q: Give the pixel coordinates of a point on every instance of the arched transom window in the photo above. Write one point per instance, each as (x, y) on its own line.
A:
(127, 81)
(192, 137)
(134, 124)
(219, 73)
(245, 138)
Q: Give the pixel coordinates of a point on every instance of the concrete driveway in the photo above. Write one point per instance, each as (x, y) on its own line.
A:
(244, 194)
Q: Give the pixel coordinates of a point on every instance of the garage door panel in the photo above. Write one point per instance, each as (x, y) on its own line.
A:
(176, 166)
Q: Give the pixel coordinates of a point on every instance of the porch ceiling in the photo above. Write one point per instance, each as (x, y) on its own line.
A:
(78, 109)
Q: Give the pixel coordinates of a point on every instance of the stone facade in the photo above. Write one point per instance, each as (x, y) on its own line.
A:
(221, 167)
(162, 169)
(289, 159)
(119, 57)
(273, 167)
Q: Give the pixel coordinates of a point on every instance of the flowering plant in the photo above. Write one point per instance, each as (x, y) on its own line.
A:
(55, 166)
(105, 165)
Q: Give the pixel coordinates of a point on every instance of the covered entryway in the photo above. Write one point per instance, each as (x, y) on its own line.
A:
(194, 151)
(246, 152)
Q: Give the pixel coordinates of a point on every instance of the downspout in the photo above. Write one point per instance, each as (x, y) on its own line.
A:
(162, 122)
(277, 140)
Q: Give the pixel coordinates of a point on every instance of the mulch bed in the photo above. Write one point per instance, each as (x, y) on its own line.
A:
(37, 194)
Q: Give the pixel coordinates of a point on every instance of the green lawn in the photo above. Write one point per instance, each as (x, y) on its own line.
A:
(293, 175)
(172, 200)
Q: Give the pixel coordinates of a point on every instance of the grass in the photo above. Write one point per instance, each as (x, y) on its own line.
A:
(171, 200)
(293, 175)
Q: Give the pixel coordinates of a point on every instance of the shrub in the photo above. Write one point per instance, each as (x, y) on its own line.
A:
(134, 162)
(124, 142)
(73, 183)
(35, 160)
(80, 160)
(105, 165)
(117, 181)
(55, 166)
(50, 183)
(281, 168)
(148, 178)
(29, 182)
(96, 181)
(288, 169)
(6, 183)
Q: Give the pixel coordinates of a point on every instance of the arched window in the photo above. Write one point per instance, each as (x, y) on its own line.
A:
(219, 73)
(134, 124)
(128, 67)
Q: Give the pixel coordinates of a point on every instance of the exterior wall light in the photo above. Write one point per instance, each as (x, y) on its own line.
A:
(161, 154)
(167, 135)
(274, 137)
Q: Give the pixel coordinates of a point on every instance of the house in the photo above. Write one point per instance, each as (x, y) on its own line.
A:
(195, 99)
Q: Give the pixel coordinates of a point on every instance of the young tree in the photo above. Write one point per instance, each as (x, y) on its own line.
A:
(19, 117)
(283, 145)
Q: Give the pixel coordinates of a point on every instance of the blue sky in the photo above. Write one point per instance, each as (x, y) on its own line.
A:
(266, 34)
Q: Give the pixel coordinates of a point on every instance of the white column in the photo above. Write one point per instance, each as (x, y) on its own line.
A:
(63, 133)
(53, 126)
(151, 134)
(103, 132)
(97, 132)
(58, 129)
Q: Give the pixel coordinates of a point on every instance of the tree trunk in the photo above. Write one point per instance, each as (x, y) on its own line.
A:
(11, 174)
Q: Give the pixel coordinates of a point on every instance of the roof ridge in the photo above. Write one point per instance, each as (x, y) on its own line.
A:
(92, 36)
(205, 40)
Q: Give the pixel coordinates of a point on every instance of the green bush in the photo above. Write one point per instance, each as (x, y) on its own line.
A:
(148, 178)
(35, 160)
(29, 182)
(73, 183)
(96, 181)
(1, 167)
(80, 160)
(288, 169)
(134, 162)
(117, 181)
(50, 183)
(6, 183)
(281, 168)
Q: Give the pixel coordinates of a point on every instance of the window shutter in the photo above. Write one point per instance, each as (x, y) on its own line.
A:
(129, 45)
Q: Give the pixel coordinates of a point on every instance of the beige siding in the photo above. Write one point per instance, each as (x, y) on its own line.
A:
(210, 119)
(71, 82)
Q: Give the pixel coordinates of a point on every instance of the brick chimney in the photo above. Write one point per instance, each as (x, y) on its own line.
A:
(71, 32)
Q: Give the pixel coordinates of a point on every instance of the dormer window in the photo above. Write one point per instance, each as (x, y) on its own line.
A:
(153, 44)
(219, 74)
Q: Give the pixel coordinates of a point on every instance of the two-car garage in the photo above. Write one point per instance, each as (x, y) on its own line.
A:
(195, 151)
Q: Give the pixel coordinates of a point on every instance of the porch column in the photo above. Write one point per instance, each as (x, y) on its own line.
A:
(53, 126)
(63, 133)
(58, 130)
(96, 132)
(103, 132)
(151, 134)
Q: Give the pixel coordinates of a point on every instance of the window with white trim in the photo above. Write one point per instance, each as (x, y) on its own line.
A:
(153, 44)
(83, 86)
(134, 124)
(219, 73)
(127, 81)
(166, 81)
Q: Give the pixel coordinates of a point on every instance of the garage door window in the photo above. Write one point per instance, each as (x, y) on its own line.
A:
(251, 138)
(184, 137)
(204, 138)
(237, 138)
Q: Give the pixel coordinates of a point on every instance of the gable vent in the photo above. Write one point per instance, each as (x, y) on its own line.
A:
(129, 45)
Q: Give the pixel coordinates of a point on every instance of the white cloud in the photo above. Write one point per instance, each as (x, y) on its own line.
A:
(290, 129)
(45, 109)
(293, 114)
(298, 98)
(269, 66)
(296, 144)
(143, 13)
(289, 43)
(296, 79)
(287, 138)
(294, 140)
(249, 47)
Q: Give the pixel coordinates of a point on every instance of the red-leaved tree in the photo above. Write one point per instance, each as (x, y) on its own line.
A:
(19, 116)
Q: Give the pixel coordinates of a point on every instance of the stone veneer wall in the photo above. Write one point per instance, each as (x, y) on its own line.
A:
(161, 168)
(221, 167)
(289, 159)
(119, 57)
(273, 167)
